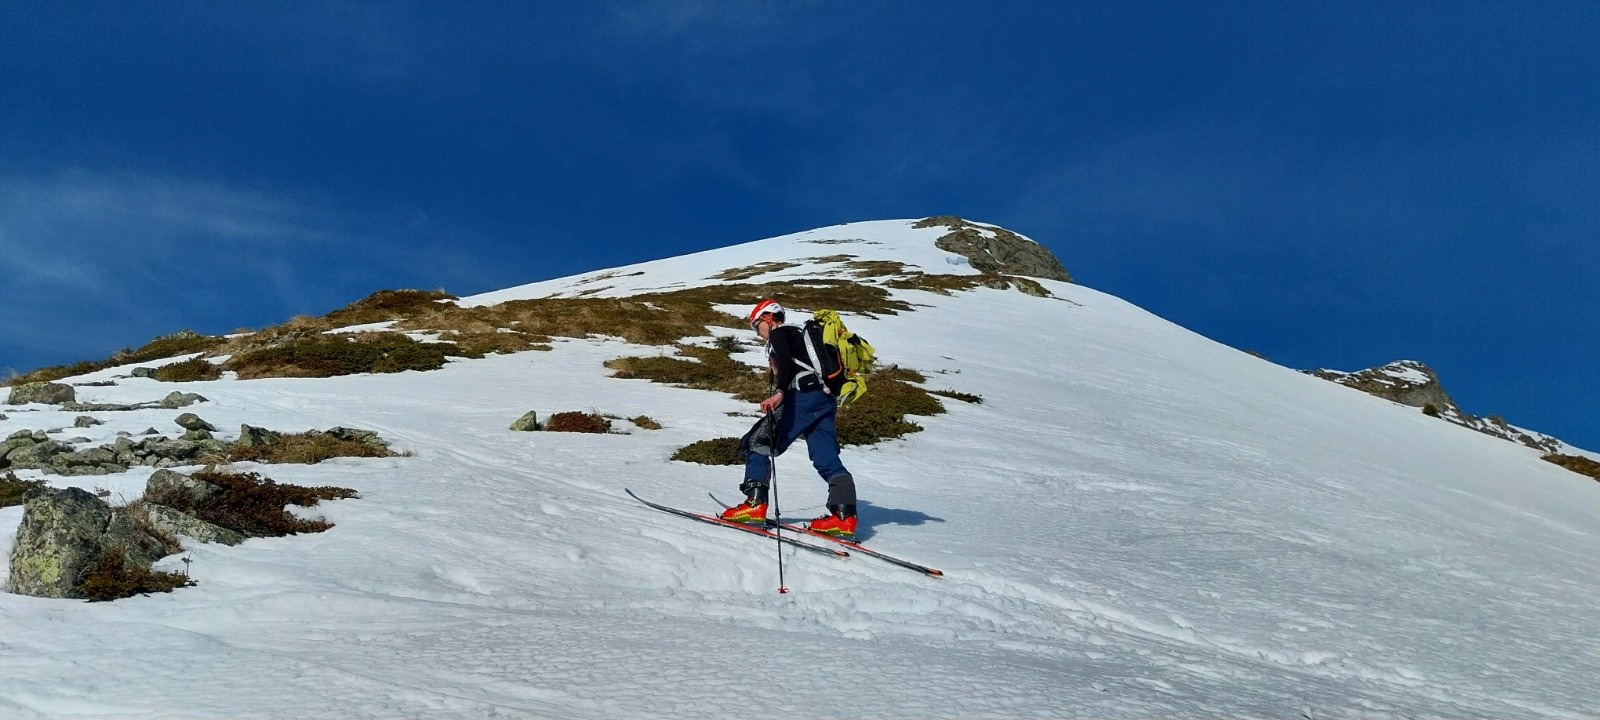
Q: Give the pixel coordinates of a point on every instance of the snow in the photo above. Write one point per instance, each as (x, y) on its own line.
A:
(1135, 522)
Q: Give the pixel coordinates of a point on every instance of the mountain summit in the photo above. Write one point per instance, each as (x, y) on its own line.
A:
(1133, 520)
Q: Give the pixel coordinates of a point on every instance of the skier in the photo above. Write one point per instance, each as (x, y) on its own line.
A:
(804, 408)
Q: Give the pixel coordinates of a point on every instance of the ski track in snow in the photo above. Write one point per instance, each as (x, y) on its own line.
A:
(1136, 522)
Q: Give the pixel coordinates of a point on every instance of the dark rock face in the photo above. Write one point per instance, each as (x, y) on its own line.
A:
(996, 250)
(42, 392)
(64, 532)
(1413, 383)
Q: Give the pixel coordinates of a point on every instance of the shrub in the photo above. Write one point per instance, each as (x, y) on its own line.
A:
(252, 505)
(646, 422)
(307, 448)
(111, 578)
(14, 491)
(188, 371)
(721, 451)
(330, 356)
(1576, 463)
(963, 397)
(1430, 410)
(578, 422)
(881, 413)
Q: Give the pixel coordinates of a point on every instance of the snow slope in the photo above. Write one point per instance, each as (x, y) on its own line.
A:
(1136, 522)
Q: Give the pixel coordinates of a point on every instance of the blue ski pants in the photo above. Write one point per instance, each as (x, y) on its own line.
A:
(808, 414)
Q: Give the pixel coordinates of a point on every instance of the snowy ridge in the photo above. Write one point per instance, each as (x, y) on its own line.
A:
(1135, 522)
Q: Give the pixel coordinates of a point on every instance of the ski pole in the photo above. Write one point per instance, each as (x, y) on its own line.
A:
(777, 514)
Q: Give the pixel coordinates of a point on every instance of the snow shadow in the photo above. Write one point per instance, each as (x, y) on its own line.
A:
(873, 516)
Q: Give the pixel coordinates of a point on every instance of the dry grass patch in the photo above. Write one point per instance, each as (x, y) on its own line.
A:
(192, 370)
(578, 422)
(385, 305)
(745, 273)
(307, 448)
(1576, 463)
(182, 342)
(711, 369)
(253, 505)
(646, 422)
(332, 355)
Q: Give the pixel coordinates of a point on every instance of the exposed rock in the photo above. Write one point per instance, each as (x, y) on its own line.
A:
(997, 250)
(166, 483)
(176, 399)
(250, 436)
(99, 383)
(1413, 383)
(191, 421)
(368, 437)
(178, 522)
(64, 532)
(528, 421)
(84, 421)
(144, 372)
(150, 431)
(196, 435)
(42, 392)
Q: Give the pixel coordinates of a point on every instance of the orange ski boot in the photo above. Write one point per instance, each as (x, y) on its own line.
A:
(835, 525)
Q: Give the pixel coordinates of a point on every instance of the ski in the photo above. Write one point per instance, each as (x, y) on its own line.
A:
(924, 569)
(712, 520)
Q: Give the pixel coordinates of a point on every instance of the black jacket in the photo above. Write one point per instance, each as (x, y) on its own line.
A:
(786, 344)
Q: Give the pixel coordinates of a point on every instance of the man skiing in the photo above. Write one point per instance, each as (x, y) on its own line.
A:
(804, 408)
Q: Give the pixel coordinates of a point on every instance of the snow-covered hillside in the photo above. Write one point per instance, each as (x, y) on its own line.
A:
(1135, 522)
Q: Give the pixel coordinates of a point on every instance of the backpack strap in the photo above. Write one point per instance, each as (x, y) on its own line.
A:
(815, 368)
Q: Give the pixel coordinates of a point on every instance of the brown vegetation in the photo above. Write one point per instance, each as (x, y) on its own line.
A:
(646, 422)
(578, 422)
(307, 448)
(14, 490)
(1576, 463)
(332, 355)
(253, 505)
(745, 273)
(721, 451)
(113, 578)
(188, 371)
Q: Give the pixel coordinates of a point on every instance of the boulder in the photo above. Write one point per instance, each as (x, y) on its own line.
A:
(528, 421)
(144, 372)
(196, 435)
(177, 522)
(191, 421)
(176, 399)
(84, 421)
(165, 484)
(64, 532)
(250, 436)
(150, 431)
(42, 392)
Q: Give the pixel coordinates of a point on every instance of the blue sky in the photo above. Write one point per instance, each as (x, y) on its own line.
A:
(1330, 184)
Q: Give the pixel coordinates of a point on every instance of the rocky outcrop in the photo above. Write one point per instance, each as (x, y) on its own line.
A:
(1413, 383)
(65, 532)
(83, 421)
(166, 483)
(42, 392)
(528, 421)
(35, 450)
(366, 437)
(177, 522)
(996, 250)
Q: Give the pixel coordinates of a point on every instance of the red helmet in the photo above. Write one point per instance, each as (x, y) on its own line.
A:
(766, 307)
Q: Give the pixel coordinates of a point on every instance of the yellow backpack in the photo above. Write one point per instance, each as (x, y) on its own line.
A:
(844, 358)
